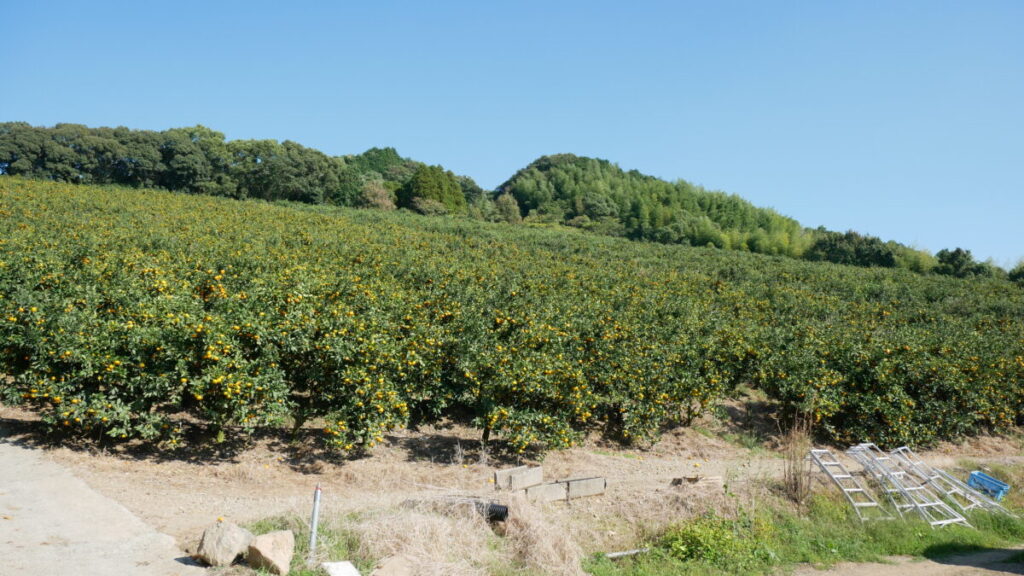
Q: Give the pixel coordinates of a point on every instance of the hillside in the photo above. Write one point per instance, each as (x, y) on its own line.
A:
(598, 195)
(124, 309)
(199, 160)
(585, 193)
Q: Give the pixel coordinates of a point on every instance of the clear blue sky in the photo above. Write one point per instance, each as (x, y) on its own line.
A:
(900, 119)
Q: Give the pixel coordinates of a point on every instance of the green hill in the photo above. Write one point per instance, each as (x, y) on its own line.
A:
(564, 189)
(598, 195)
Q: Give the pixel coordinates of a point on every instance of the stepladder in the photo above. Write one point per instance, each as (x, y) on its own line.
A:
(905, 490)
(955, 490)
(857, 494)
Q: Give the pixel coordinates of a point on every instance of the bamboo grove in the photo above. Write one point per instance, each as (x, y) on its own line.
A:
(125, 312)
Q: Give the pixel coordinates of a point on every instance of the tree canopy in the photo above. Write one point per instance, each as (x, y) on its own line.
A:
(199, 160)
(430, 189)
(961, 264)
(851, 248)
(596, 194)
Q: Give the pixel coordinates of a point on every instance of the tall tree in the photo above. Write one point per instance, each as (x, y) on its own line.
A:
(959, 263)
(508, 209)
(429, 185)
(1017, 273)
(851, 248)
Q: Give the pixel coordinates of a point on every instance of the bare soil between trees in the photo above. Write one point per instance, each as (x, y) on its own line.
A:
(179, 496)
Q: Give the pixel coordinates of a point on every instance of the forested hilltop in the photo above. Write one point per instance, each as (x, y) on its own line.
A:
(564, 189)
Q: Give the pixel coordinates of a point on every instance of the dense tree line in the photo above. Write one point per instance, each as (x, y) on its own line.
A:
(199, 160)
(961, 264)
(597, 195)
(586, 193)
(852, 248)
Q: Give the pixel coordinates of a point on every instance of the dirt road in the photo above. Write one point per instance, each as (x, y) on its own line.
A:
(68, 511)
(984, 563)
(52, 523)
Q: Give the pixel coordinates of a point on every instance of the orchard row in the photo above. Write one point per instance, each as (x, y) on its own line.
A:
(122, 310)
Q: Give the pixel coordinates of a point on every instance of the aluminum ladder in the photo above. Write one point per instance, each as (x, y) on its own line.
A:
(905, 490)
(958, 492)
(858, 496)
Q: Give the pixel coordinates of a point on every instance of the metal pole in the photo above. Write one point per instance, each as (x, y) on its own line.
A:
(313, 524)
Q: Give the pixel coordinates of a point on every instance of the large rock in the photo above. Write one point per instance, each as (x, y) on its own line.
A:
(272, 551)
(222, 543)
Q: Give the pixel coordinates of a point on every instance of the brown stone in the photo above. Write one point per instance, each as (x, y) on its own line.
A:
(272, 551)
(222, 544)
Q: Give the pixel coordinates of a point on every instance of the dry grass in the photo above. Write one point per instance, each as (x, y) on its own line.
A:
(456, 543)
(540, 545)
(442, 537)
(796, 477)
(620, 523)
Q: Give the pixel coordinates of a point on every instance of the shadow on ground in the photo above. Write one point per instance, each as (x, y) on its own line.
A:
(751, 419)
(303, 450)
(983, 560)
(450, 448)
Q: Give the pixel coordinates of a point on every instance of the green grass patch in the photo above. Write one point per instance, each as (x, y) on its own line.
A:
(747, 440)
(333, 544)
(1012, 475)
(762, 541)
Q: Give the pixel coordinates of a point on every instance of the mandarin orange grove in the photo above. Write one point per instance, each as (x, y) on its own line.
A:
(124, 313)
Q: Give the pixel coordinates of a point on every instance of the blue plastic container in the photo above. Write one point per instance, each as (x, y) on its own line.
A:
(987, 484)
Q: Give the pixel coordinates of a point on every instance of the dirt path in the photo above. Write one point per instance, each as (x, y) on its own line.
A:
(84, 511)
(52, 523)
(973, 564)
